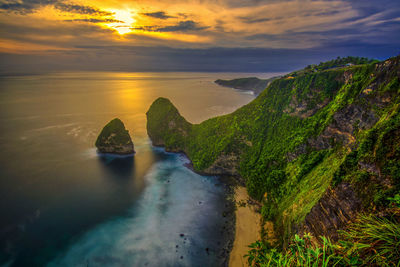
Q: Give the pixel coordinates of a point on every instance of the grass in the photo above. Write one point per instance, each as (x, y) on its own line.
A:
(306, 193)
(114, 133)
(374, 240)
(370, 241)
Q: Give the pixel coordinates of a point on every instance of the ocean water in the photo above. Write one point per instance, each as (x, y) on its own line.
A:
(62, 204)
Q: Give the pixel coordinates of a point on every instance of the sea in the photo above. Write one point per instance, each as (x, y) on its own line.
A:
(63, 204)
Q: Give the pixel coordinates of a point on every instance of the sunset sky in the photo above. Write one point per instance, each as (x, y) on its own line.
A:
(203, 35)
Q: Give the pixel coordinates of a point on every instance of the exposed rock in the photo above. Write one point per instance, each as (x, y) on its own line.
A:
(300, 108)
(297, 152)
(115, 139)
(334, 211)
(224, 165)
(343, 126)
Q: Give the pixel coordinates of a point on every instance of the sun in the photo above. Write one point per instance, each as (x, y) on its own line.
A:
(125, 21)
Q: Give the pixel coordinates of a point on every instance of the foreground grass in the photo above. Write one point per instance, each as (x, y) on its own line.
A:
(370, 241)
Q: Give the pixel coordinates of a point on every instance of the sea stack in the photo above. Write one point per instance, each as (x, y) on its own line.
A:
(115, 139)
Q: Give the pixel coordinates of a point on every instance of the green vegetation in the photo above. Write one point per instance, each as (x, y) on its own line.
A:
(166, 126)
(339, 62)
(303, 134)
(114, 138)
(370, 241)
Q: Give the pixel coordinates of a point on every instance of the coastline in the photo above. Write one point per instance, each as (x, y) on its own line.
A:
(247, 227)
(243, 225)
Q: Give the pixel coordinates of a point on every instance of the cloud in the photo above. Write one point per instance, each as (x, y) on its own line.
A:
(182, 26)
(87, 10)
(25, 6)
(200, 26)
(29, 6)
(158, 15)
(251, 20)
(92, 20)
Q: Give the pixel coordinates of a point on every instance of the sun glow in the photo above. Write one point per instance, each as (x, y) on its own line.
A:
(124, 21)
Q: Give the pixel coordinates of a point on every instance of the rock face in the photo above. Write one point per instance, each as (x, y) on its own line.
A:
(115, 139)
(224, 165)
(336, 208)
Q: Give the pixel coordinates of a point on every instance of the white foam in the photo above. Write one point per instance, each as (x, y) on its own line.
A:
(150, 231)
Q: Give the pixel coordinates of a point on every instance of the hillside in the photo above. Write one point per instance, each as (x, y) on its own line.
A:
(315, 149)
(253, 84)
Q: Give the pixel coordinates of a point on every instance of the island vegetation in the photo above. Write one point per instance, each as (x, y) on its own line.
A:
(115, 139)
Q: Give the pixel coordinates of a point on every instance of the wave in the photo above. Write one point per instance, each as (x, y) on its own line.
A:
(172, 224)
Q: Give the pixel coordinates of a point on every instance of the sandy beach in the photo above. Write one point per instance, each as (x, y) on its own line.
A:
(248, 226)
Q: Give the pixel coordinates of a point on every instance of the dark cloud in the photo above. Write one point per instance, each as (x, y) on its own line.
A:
(158, 15)
(16, 7)
(182, 26)
(371, 29)
(87, 10)
(92, 20)
(183, 15)
(25, 6)
(54, 35)
(248, 3)
(29, 6)
(252, 20)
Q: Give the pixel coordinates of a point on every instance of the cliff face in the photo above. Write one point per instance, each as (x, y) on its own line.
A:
(316, 147)
(336, 208)
(115, 139)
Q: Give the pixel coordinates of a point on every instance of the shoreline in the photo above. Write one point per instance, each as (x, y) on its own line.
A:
(247, 227)
(242, 213)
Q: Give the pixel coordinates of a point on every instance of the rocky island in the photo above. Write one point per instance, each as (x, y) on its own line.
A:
(115, 139)
(318, 149)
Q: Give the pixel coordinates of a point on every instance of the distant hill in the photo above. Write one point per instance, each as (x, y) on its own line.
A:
(251, 83)
(339, 62)
(258, 85)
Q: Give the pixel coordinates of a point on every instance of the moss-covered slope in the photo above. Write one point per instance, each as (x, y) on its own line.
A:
(331, 129)
(115, 139)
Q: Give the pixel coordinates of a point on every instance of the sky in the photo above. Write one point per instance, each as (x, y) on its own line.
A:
(196, 35)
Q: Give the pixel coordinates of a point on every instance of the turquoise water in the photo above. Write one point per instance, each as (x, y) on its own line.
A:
(63, 205)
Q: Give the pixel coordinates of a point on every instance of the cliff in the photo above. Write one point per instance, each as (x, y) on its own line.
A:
(316, 147)
(115, 139)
